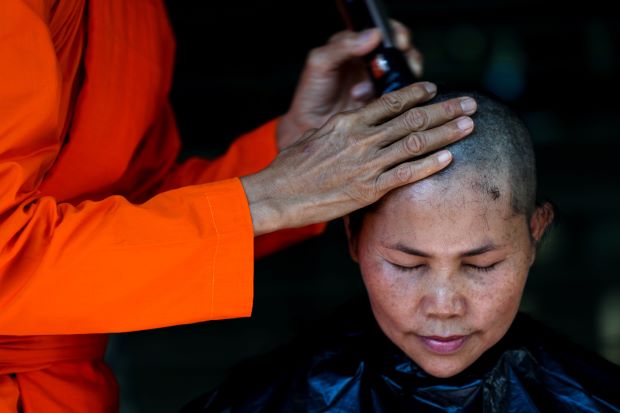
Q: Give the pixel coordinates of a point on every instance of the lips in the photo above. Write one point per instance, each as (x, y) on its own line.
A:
(443, 345)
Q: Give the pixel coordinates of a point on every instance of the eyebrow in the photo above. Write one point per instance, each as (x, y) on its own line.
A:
(470, 253)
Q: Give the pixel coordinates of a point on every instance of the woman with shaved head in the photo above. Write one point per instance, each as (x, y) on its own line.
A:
(445, 261)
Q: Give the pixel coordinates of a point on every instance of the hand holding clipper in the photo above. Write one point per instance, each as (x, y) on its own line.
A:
(386, 64)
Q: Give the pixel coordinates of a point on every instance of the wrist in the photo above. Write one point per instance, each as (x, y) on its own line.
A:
(266, 212)
(287, 132)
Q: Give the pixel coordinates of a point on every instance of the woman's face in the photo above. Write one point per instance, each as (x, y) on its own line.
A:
(445, 268)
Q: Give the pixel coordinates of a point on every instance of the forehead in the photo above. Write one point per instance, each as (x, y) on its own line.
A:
(468, 192)
(446, 212)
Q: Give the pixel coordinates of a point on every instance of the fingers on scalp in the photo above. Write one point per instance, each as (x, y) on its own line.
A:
(424, 118)
(411, 146)
(444, 111)
(403, 174)
(409, 172)
(431, 116)
(451, 108)
(415, 144)
(394, 102)
(416, 119)
(394, 178)
(419, 143)
(463, 124)
(468, 105)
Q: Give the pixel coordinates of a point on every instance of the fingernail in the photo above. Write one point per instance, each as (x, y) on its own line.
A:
(468, 105)
(431, 88)
(364, 36)
(444, 156)
(465, 123)
(361, 90)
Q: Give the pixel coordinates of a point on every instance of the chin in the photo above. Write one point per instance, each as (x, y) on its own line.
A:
(443, 369)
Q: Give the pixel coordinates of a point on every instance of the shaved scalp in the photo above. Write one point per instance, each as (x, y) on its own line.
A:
(496, 159)
(499, 150)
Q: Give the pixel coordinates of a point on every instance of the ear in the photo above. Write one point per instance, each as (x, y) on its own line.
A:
(541, 218)
(352, 239)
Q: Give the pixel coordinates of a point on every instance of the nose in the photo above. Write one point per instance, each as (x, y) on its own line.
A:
(443, 299)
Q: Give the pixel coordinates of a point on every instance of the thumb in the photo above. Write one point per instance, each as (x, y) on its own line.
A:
(342, 48)
(365, 41)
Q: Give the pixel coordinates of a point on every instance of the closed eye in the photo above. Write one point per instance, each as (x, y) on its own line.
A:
(482, 268)
(408, 268)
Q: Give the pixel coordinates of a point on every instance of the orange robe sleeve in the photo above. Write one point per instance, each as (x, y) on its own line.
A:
(108, 264)
(248, 154)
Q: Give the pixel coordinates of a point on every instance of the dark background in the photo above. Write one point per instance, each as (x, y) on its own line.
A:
(237, 65)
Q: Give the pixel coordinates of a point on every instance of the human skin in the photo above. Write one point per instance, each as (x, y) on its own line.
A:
(445, 267)
(355, 158)
(338, 151)
(334, 80)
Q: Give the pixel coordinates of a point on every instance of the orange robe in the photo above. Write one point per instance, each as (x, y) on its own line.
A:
(101, 230)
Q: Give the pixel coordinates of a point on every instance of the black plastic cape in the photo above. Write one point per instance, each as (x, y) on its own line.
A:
(359, 370)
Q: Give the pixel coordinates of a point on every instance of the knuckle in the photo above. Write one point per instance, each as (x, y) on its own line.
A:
(392, 104)
(415, 144)
(416, 119)
(343, 124)
(403, 174)
(381, 184)
(367, 195)
(341, 121)
(451, 108)
(362, 194)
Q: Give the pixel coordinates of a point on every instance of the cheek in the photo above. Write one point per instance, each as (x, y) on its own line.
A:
(495, 301)
(392, 294)
(497, 290)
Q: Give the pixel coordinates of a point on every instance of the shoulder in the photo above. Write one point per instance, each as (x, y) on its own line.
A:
(564, 367)
(308, 374)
